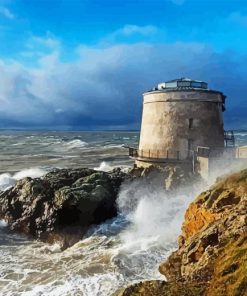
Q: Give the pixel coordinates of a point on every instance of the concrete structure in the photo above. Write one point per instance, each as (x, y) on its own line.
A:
(241, 152)
(212, 163)
(178, 117)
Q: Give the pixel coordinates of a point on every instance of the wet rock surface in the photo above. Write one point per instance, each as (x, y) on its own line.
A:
(61, 205)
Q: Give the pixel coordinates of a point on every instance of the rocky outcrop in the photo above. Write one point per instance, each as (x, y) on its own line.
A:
(169, 176)
(61, 205)
(212, 251)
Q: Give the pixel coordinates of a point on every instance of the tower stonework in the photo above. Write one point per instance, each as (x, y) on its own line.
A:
(178, 117)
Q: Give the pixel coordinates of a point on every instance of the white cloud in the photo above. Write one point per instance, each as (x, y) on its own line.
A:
(49, 61)
(7, 13)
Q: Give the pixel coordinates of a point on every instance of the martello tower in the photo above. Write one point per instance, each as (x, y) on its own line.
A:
(178, 117)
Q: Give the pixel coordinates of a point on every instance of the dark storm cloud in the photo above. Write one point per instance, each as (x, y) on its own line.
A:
(104, 86)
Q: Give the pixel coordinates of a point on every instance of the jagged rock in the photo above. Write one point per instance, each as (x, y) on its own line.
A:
(214, 223)
(170, 176)
(62, 204)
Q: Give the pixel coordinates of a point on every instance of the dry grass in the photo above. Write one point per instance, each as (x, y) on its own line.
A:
(230, 274)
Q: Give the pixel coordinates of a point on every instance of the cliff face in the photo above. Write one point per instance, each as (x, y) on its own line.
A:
(213, 244)
(212, 256)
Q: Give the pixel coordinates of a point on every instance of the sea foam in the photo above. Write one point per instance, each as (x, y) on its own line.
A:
(7, 180)
(104, 166)
(75, 144)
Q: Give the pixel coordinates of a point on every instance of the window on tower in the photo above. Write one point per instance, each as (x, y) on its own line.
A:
(190, 123)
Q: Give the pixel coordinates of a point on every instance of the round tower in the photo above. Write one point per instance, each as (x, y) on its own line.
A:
(179, 116)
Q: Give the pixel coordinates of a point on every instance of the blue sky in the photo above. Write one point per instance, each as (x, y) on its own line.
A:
(85, 64)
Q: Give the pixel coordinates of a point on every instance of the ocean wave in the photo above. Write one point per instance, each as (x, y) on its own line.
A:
(96, 285)
(32, 172)
(3, 223)
(113, 254)
(75, 144)
(7, 180)
(104, 166)
(155, 217)
(114, 146)
(19, 144)
(243, 134)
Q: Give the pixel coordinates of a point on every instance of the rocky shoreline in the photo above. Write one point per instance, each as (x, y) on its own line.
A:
(212, 256)
(211, 259)
(60, 206)
(63, 204)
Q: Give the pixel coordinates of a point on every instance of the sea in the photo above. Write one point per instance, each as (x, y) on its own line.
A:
(112, 255)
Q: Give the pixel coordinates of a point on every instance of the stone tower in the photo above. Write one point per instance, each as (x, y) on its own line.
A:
(178, 117)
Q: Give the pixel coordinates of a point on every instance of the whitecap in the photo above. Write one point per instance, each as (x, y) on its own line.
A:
(32, 172)
(104, 166)
(7, 180)
(75, 144)
(19, 144)
(113, 146)
(241, 134)
(3, 223)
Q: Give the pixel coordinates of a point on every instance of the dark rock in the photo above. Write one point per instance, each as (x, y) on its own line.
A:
(62, 204)
(66, 177)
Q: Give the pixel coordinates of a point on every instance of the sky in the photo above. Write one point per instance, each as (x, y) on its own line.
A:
(70, 64)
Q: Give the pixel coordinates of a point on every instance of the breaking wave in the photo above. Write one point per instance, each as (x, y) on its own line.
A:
(2, 224)
(104, 166)
(154, 216)
(113, 254)
(75, 144)
(7, 180)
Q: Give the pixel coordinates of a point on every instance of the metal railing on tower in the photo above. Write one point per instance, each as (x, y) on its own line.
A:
(229, 139)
